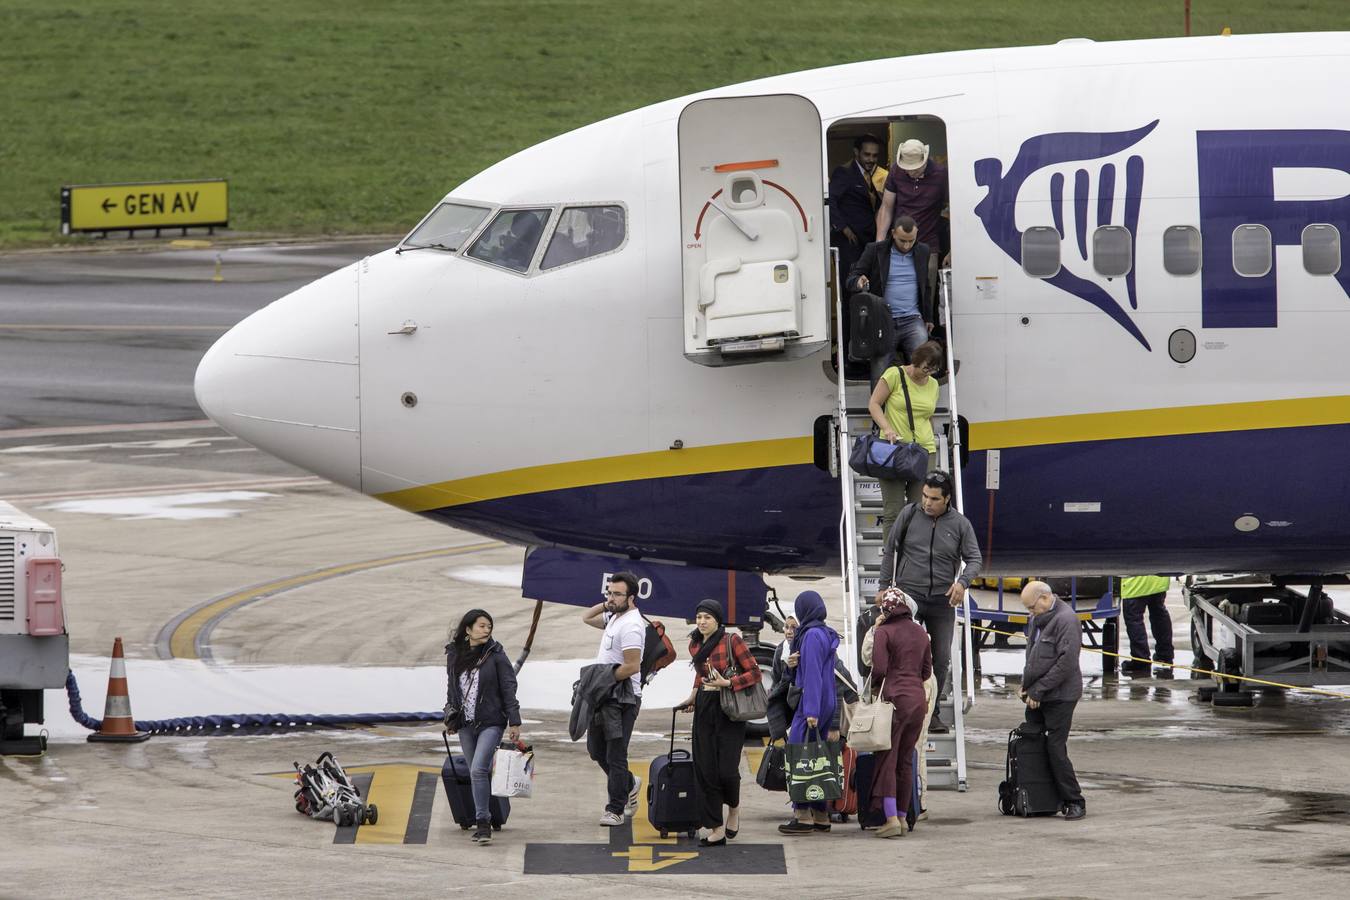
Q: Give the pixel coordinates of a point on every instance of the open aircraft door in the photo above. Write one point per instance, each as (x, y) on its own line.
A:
(753, 230)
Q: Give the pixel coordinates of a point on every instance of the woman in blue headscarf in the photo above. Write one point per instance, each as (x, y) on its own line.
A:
(814, 646)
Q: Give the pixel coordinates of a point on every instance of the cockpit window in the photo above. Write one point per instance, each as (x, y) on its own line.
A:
(583, 232)
(511, 238)
(448, 226)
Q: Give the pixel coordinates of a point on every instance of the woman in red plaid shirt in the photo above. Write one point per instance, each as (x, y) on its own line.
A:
(721, 661)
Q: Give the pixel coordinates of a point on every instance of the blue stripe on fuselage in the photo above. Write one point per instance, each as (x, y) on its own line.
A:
(1168, 504)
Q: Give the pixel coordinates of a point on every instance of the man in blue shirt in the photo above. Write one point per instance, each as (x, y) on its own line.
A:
(893, 267)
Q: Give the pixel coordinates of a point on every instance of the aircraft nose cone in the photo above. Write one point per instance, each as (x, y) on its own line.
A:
(286, 379)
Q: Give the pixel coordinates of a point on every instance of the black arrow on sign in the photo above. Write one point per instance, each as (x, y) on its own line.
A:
(109, 205)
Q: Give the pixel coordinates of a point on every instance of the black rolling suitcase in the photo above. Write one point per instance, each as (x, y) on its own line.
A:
(1028, 788)
(672, 794)
(863, 772)
(871, 331)
(459, 791)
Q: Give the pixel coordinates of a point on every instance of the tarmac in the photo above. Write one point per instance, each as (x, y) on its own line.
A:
(240, 584)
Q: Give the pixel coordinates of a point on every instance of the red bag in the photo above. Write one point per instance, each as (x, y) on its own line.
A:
(657, 651)
(848, 804)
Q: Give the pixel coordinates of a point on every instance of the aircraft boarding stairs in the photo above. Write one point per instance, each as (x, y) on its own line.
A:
(861, 545)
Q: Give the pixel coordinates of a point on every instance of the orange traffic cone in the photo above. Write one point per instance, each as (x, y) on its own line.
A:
(118, 726)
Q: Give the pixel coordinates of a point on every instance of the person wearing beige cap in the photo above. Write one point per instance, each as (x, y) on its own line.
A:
(916, 187)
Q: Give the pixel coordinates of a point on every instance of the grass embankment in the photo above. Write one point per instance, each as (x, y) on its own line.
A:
(341, 117)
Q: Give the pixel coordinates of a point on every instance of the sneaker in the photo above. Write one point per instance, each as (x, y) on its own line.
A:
(1136, 669)
(1074, 811)
(611, 820)
(796, 826)
(630, 808)
(483, 834)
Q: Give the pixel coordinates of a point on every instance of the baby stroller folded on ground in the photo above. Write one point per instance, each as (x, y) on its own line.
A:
(325, 792)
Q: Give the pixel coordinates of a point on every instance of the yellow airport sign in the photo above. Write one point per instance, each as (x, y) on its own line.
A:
(155, 204)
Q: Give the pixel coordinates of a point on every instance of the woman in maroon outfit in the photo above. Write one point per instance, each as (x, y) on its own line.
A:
(902, 660)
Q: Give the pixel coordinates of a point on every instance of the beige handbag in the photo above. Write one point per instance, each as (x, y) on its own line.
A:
(869, 727)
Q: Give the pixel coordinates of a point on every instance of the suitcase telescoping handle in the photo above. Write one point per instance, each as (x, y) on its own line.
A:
(445, 736)
(674, 714)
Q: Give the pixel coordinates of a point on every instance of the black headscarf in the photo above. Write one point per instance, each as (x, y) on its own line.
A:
(706, 647)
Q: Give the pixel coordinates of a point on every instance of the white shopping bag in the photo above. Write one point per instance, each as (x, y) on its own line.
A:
(512, 773)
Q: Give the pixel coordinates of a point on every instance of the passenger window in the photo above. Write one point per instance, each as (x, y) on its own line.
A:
(1321, 250)
(1040, 251)
(583, 232)
(1181, 250)
(448, 226)
(1112, 247)
(1251, 250)
(511, 238)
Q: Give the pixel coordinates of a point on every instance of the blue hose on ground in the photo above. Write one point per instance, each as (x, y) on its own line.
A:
(233, 724)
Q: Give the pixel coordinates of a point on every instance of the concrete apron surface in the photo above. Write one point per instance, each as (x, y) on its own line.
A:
(1182, 798)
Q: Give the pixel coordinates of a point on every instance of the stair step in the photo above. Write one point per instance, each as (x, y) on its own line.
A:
(867, 489)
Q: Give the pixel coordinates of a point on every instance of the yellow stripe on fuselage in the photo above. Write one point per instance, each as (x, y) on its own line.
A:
(1135, 423)
(606, 470)
(1138, 423)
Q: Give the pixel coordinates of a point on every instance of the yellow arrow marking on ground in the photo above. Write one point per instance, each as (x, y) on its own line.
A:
(643, 858)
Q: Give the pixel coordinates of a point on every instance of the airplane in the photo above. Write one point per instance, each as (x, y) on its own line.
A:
(618, 342)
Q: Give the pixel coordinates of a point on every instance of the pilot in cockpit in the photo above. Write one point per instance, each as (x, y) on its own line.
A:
(519, 242)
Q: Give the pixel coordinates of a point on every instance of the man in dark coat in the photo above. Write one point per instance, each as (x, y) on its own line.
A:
(1052, 684)
(892, 269)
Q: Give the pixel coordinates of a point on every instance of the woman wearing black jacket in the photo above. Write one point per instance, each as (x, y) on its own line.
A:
(480, 704)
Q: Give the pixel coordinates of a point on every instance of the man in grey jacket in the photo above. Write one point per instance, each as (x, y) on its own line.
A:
(1052, 683)
(938, 558)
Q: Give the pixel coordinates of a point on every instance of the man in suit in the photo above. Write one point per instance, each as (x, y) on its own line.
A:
(855, 194)
(897, 270)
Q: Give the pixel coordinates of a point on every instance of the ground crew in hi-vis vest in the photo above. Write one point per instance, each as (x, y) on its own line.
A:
(1140, 593)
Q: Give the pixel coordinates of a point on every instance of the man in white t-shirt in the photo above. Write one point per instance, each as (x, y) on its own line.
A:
(625, 635)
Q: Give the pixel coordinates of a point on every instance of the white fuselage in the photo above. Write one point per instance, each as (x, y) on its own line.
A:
(542, 407)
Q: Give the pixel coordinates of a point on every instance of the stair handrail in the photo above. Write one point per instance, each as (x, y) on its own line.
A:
(967, 608)
(848, 524)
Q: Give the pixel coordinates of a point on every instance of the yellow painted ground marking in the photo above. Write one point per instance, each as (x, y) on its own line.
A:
(646, 858)
(391, 789)
(183, 641)
(643, 832)
(754, 756)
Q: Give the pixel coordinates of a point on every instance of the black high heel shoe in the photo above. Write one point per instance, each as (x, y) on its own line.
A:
(732, 832)
(720, 842)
